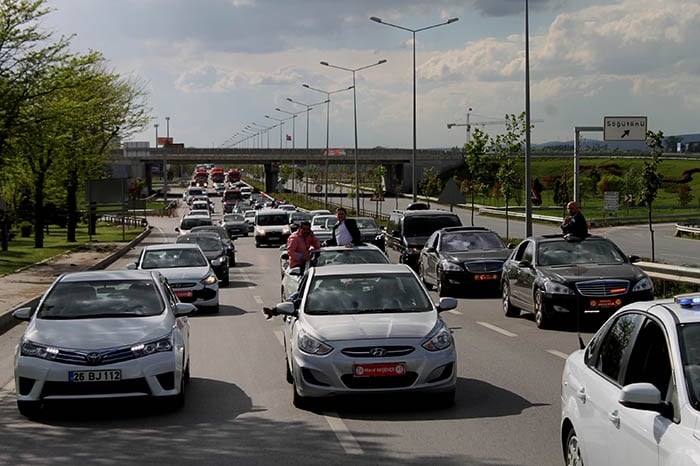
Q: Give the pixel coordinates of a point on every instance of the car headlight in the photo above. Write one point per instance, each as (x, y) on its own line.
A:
(448, 266)
(223, 259)
(411, 251)
(155, 346)
(35, 350)
(260, 232)
(643, 285)
(286, 230)
(310, 345)
(552, 287)
(440, 338)
(209, 279)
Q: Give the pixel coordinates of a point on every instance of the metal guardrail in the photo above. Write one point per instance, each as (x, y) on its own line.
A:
(675, 273)
(687, 228)
(129, 220)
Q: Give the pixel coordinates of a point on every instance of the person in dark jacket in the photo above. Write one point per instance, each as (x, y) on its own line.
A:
(345, 232)
(575, 224)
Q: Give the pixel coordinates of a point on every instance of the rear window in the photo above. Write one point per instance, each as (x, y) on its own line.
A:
(427, 225)
(189, 223)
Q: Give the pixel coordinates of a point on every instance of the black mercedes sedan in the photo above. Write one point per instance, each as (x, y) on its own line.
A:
(555, 277)
(458, 259)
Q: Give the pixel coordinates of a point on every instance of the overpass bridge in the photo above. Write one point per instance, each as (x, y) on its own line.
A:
(139, 158)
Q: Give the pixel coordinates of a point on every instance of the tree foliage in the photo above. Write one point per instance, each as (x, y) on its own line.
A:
(477, 165)
(651, 178)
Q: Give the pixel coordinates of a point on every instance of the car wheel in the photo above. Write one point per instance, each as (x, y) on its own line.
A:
(257, 245)
(508, 309)
(301, 402)
(421, 274)
(572, 451)
(232, 261)
(29, 409)
(226, 280)
(541, 317)
(186, 374)
(175, 402)
(442, 289)
(288, 375)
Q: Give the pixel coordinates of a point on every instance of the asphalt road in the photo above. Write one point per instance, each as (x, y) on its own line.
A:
(239, 407)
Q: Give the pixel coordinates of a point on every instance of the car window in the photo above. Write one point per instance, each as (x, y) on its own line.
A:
(207, 243)
(172, 258)
(649, 359)
(426, 225)
(102, 299)
(590, 251)
(689, 338)
(233, 218)
(366, 223)
(433, 240)
(396, 293)
(528, 252)
(616, 345)
(323, 257)
(274, 219)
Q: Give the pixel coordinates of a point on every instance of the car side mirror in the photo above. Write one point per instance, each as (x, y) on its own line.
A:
(131, 266)
(634, 258)
(183, 309)
(525, 263)
(396, 233)
(429, 249)
(23, 313)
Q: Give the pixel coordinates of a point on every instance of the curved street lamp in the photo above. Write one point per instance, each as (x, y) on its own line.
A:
(414, 186)
(354, 106)
(328, 111)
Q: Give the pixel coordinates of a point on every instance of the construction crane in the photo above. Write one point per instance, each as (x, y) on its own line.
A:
(469, 124)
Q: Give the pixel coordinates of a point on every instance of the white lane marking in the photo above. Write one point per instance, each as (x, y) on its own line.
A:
(344, 436)
(455, 311)
(258, 299)
(558, 353)
(497, 329)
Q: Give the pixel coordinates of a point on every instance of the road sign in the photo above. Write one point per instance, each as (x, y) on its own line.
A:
(318, 188)
(624, 128)
(374, 198)
(611, 201)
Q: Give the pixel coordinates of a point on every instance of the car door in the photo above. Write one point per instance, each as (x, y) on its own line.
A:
(429, 258)
(521, 275)
(597, 389)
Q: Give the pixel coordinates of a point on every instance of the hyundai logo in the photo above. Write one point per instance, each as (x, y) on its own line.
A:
(377, 352)
(93, 358)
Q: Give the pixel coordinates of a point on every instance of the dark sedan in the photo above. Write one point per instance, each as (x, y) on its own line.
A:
(462, 259)
(214, 249)
(225, 238)
(235, 224)
(554, 277)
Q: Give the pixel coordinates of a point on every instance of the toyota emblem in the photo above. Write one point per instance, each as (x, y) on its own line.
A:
(93, 358)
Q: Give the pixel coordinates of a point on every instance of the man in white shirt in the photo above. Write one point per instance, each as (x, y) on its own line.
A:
(345, 232)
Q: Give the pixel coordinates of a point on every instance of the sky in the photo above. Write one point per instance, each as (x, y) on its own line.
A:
(215, 67)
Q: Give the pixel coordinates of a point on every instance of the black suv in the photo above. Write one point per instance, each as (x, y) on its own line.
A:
(408, 230)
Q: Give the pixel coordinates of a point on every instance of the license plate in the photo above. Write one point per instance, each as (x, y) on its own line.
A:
(604, 303)
(486, 276)
(184, 294)
(113, 375)
(392, 369)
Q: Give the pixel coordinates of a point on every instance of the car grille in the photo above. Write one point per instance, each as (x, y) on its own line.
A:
(94, 358)
(379, 382)
(378, 351)
(597, 288)
(95, 388)
(484, 266)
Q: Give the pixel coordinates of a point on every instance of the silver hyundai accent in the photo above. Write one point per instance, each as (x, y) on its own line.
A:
(367, 329)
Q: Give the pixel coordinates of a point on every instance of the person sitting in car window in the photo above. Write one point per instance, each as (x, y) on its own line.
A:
(345, 232)
(575, 224)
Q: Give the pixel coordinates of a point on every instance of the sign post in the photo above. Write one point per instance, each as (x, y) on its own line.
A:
(624, 128)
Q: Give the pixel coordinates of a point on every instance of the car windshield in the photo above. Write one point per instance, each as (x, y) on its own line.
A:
(207, 243)
(323, 257)
(330, 222)
(363, 294)
(220, 232)
(298, 217)
(588, 251)
(189, 223)
(274, 219)
(366, 224)
(320, 220)
(101, 299)
(232, 218)
(689, 336)
(426, 225)
(172, 258)
(465, 241)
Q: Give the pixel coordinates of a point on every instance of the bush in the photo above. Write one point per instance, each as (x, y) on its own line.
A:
(25, 229)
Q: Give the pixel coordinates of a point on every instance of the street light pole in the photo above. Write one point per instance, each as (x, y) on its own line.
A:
(328, 112)
(413, 32)
(528, 188)
(281, 125)
(354, 109)
(165, 162)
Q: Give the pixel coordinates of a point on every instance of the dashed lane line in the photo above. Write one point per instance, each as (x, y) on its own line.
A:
(455, 312)
(558, 353)
(497, 329)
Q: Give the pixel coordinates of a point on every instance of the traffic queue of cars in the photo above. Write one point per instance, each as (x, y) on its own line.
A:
(356, 323)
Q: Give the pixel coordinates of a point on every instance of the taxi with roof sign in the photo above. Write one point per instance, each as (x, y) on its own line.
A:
(632, 395)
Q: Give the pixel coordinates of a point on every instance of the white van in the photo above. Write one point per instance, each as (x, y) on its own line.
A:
(271, 227)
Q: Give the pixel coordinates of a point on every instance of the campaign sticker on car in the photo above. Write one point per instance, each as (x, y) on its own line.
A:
(391, 369)
(486, 276)
(113, 375)
(183, 294)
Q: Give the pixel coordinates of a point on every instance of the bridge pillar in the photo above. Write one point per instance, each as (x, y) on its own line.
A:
(271, 174)
(392, 177)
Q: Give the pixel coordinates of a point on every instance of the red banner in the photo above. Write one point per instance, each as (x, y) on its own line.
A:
(289, 138)
(165, 141)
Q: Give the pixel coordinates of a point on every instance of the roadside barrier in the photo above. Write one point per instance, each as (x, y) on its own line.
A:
(687, 228)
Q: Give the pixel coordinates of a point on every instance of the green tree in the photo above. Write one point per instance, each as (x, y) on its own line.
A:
(285, 173)
(651, 178)
(432, 184)
(477, 165)
(685, 197)
(631, 183)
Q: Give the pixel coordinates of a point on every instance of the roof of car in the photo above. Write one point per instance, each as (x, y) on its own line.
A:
(426, 212)
(684, 308)
(170, 246)
(107, 275)
(449, 229)
(361, 269)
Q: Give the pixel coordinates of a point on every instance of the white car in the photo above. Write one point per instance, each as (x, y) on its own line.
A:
(103, 334)
(367, 329)
(188, 271)
(632, 395)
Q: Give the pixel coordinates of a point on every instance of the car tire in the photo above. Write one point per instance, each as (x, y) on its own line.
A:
(186, 374)
(572, 451)
(176, 402)
(442, 289)
(232, 261)
(541, 318)
(301, 402)
(29, 409)
(421, 274)
(508, 309)
(288, 376)
(257, 245)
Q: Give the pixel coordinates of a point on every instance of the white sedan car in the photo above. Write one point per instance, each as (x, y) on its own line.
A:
(103, 334)
(632, 395)
(367, 329)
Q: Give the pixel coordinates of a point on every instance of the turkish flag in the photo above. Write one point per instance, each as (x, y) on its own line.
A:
(289, 138)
